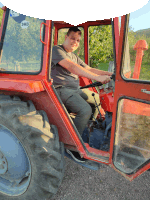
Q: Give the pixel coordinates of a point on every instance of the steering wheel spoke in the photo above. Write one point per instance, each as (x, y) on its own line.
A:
(92, 85)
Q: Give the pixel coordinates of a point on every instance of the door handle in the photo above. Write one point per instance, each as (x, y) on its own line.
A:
(145, 91)
(41, 31)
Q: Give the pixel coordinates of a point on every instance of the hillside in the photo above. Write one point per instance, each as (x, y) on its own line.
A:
(143, 31)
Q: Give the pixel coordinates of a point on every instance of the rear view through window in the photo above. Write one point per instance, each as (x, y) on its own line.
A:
(22, 48)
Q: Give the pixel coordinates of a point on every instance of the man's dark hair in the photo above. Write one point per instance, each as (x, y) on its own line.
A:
(74, 29)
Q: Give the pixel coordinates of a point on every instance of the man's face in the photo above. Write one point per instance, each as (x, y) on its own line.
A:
(72, 41)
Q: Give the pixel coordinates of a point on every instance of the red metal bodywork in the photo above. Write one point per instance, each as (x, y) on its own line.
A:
(39, 89)
(130, 89)
(107, 100)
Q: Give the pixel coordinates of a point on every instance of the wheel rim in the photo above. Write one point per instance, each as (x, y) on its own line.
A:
(15, 167)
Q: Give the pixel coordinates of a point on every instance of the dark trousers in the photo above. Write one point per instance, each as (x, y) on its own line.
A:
(76, 102)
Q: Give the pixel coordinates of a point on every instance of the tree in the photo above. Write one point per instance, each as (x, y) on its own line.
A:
(22, 44)
(133, 38)
(100, 44)
(1, 16)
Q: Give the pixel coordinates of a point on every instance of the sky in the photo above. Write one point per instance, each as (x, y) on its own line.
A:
(139, 19)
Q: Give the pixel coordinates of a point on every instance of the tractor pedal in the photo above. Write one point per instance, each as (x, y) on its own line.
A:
(76, 156)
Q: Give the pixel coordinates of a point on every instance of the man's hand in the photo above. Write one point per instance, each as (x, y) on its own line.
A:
(85, 72)
(107, 73)
(104, 79)
(98, 72)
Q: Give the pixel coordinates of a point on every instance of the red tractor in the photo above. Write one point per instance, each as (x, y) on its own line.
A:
(36, 130)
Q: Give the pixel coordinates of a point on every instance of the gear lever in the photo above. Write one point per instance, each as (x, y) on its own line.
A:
(96, 103)
(100, 120)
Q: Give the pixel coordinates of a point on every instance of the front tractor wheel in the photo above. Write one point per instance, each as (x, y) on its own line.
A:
(31, 156)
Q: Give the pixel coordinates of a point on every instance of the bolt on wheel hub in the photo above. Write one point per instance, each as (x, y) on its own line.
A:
(3, 163)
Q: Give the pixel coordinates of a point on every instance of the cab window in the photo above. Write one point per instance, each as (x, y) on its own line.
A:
(22, 48)
(101, 47)
(136, 60)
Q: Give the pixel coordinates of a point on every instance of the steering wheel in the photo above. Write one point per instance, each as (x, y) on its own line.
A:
(97, 83)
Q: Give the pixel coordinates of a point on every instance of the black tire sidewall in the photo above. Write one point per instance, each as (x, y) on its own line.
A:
(24, 134)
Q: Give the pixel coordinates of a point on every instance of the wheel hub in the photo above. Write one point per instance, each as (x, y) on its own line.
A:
(14, 164)
(3, 164)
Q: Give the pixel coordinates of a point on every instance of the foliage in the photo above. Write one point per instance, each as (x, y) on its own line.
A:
(22, 44)
(100, 44)
(1, 16)
(133, 38)
(144, 31)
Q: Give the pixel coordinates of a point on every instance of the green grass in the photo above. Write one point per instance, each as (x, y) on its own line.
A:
(145, 70)
(32, 65)
(103, 66)
(24, 67)
(144, 73)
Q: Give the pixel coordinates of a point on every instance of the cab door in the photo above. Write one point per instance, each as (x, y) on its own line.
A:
(130, 140)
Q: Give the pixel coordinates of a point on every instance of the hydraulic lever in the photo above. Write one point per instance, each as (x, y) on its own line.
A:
(96, 103)
(100, 120)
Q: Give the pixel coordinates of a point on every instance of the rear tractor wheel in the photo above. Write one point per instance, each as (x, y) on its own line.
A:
(31, 156)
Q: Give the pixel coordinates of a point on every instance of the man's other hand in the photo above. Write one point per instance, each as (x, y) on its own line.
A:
(104, 79)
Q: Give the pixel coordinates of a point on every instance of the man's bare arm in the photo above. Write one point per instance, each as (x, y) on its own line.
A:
(80, 71)
(97, 71)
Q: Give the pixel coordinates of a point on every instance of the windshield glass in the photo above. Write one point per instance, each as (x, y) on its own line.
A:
(22, 48)
(136, 62)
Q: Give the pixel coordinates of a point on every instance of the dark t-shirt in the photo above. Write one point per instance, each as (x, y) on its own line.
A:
(60, 75)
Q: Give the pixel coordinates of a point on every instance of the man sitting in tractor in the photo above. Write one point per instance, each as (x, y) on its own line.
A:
(66, 67)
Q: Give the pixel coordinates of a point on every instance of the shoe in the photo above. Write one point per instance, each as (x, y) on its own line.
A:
(76, 156)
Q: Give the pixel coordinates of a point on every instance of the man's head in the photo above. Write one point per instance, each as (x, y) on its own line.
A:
(72, 39)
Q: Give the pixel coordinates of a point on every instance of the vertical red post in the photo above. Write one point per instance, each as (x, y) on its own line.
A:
(140, 47)
(56, 36)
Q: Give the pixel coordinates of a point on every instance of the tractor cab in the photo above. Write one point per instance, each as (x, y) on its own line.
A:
(95, 53)
(119, 137)
(97, 49)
